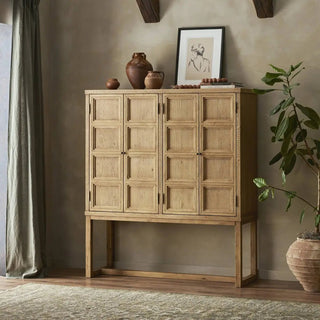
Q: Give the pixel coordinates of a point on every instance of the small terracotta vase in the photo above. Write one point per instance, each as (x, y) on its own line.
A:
(112, 83)
(303, 258)
(154, 80)
(137, 70)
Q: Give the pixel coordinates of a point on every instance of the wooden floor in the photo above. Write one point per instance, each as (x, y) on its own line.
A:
(261, 289)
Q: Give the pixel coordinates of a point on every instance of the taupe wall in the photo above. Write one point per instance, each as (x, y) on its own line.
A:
(6, 11)
(86, 42)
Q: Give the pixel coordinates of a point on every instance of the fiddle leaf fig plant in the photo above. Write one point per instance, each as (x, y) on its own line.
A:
(296, 133)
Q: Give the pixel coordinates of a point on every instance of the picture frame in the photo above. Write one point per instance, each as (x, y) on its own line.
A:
(199, 54)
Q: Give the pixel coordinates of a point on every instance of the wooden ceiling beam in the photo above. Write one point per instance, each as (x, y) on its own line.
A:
(150, 10)
(264, 8)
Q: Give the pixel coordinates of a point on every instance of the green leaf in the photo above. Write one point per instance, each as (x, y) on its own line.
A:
(260, 182)
(310, 113)
(302, 216)
(287, 103)
(317, 219)
(283, 176)
(290, 195)
(285, 146)
(275, 159)
(262, 91)
(286, 89)
(289, 162)
(273, 129)
(272, 193)
(311, 124)
(271, 78)
(264, 195)
(292, 126)
(283, 72)
(296, 66)
(301, 135)
(280, 118)
(277, 108)
(282, 128)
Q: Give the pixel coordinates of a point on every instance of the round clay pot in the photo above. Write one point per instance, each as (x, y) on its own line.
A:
(303, 258)
(137, 69)
(154, 80)
(112, 83)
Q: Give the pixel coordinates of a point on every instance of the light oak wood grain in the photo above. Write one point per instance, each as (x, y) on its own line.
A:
(173, 156)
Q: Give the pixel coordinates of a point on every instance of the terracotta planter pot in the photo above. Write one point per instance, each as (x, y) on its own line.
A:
(303, 258)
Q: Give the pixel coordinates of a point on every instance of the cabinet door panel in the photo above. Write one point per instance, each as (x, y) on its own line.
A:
(217, 169)
(180, 148)
(106, 160)
(218, 108)
(141, 198)
(141, 109)
(107, 197)
(218, 139)
(181, 168)
(141, 179)
(141, 167)
(217, 200)
(107, 139)
(181, 199)
(181, 108)
(107, 108)
(181, 139)
(141, 138)
(106, 167)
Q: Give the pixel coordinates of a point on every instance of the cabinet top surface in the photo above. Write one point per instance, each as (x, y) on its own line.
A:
(166, 91)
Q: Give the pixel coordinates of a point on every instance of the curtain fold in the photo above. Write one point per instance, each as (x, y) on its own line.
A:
(26, 199)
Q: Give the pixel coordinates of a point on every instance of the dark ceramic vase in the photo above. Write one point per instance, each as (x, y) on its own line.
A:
(112, 84)
(137, 69)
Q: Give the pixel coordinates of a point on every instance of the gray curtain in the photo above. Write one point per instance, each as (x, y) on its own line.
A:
(25, 203)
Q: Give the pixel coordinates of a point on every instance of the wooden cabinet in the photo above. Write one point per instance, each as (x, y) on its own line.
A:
(173, 156)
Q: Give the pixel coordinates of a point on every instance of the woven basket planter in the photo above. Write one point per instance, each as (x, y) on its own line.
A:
(303, 258)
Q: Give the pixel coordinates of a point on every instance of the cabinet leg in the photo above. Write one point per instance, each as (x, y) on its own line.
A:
(253, 247)
(88, 247)
(238, 254)
(110, 244)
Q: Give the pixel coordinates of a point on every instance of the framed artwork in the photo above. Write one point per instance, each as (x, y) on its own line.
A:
(199, 54)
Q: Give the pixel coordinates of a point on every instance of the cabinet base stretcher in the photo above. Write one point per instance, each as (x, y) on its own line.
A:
(238, 279)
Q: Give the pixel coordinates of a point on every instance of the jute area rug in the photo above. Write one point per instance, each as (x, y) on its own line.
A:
(42, 301)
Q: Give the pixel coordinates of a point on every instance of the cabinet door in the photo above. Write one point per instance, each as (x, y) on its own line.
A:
(106, 146)
(141, 160)
(180, 148)
(217, 144)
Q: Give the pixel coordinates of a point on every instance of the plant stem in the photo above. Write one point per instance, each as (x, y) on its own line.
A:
(306, 162)
(295, 195)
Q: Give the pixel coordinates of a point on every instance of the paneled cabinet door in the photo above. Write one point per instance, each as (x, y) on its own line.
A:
(106, 147)
(217, 145)
(180, 159)
(141, 147)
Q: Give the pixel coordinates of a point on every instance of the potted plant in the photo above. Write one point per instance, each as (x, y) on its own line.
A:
(296, 132)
